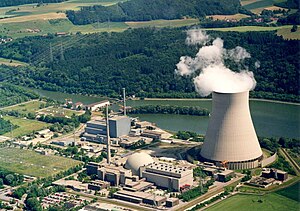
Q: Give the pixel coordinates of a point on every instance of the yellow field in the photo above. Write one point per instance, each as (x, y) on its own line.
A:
(229, 17)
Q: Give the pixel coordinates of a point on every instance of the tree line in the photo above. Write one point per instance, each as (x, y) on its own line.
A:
(169, 109)
(145, 10)
(7, 3)
(11, 94)
(143, 61)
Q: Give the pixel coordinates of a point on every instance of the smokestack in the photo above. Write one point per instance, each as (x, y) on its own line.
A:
(231, 137)
(108, 136)
(124, 101)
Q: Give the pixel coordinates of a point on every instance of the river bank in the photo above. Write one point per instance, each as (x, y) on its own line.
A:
(205, 99)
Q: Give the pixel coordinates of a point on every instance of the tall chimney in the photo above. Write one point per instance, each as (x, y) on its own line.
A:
(231, 137)
(124, 101)
(108, 136)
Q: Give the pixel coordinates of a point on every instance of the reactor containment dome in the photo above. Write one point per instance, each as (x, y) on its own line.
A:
(137, 160)
(231, 139)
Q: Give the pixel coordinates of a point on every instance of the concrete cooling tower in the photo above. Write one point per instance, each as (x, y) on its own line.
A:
(231, 139)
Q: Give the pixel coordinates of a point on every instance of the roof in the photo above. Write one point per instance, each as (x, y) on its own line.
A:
(97, 103)
(136, 160)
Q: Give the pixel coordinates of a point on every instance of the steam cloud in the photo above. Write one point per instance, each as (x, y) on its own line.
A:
(214, 75)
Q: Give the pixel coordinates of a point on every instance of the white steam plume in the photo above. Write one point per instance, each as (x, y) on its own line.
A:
(214, 75)
(196, 36)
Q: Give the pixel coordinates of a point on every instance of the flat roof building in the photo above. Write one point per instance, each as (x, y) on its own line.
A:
(167, 175)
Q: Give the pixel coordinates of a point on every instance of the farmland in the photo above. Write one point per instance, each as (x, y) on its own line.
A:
(257, 6)
(26, 126)
(285, 31)
(25, 108)
(31, 163)
(272, 201)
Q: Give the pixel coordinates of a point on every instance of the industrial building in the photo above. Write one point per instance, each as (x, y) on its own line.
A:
(140, 197)
(231, 139)
(275, 173)
(97, 105)
(136, 161)
(141, 171)
(168, 176)
(96, 129)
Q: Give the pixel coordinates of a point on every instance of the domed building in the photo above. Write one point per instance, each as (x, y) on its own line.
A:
(137, 160)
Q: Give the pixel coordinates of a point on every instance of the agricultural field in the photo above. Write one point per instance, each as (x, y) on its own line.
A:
(258, 6)
(11, 62)
(163, 23)
(285, 31)
(63, 112)
(271, 201)
(228, 17)
(28, 162)
(26, 126)
(24, 108)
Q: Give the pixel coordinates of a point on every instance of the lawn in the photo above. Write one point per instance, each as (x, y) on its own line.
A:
(24, 108)
(272, 202)
(31, 163)
(26, 126)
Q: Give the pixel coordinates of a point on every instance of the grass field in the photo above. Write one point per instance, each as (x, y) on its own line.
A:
(31, 163)
(25, 108)
(163, 23)
(59, 112)
(269, 202)
(292, 192)
(26, 126)
(258, 6)
(22, 29)
(12, 62)
(285, 31)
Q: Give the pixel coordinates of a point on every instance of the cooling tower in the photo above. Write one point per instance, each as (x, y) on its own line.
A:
(231, 138)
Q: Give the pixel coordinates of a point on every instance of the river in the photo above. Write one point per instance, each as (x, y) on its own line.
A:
(271, 119)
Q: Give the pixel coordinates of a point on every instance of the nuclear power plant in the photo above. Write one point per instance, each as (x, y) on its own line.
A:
(231, 139)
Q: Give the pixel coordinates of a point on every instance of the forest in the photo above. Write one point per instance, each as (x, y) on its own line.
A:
(6, 126)
(11, 94)
(143, 61)
(7, 3)
(145, 10)
(169, 109)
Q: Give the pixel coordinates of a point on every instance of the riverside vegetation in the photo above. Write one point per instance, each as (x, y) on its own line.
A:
(103, 63)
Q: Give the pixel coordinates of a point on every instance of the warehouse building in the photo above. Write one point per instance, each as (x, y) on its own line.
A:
(140, 197)
(96, 129)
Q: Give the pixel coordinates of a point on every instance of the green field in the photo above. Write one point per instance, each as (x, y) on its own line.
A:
(292, 192)
(21, 29)
(269, 202)
(25, 108)
(31, 163)
(257, 6)
(285, 31)
(26, 126)
(11, 62)
(163, 23)
(59, 112)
